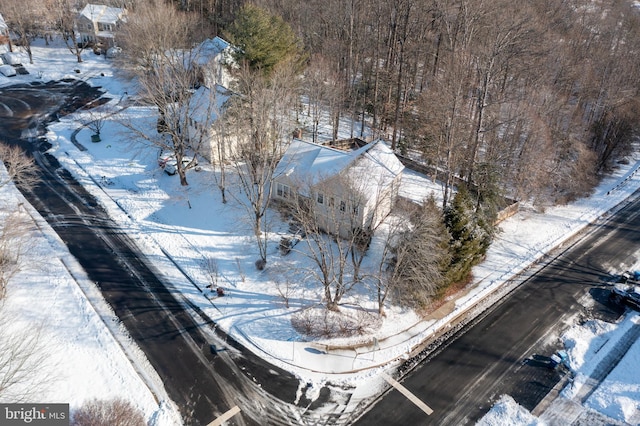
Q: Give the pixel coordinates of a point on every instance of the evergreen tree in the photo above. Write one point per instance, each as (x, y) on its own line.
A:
(263, 40)
(470, 236)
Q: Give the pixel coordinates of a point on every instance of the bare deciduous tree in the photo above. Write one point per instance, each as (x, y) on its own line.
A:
(332, 216)
(321, 89)
(160, 57)
(65, 14)
(153, 32)
(14, 245)
(259, 119)
(24, 362)
(24, 18)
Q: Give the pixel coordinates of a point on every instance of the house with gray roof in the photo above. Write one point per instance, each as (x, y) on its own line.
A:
(97, 24)
(350, 189)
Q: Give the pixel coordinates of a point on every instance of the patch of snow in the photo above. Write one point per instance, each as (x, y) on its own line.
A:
(508, 412)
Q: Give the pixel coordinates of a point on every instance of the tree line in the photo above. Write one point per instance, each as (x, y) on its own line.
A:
(531, 101)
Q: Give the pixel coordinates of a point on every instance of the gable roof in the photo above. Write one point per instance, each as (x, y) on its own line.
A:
(101, 13)
(311, 163)
(3, 24)
(379, 163)
(305, 161)
(211, 48)
(201, 109)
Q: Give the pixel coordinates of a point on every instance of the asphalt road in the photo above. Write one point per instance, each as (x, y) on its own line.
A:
(503, 352)
(205, 375)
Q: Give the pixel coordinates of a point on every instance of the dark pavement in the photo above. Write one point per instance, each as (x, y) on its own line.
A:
(499, 353)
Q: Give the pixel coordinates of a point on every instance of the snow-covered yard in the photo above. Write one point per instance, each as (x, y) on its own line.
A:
(181, 229)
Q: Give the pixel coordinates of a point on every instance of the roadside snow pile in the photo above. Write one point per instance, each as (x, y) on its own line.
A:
(597, 346)
(597, 351)
(508, 412)
(618, 395)
(584, 344)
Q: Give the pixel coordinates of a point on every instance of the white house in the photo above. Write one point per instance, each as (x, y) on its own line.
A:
(209, 63)
(205, 106)
(350, 189)
(97, 24)
(213, 59)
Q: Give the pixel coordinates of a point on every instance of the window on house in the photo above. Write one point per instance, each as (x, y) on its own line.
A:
(343, 206)
(320, 198)
(89, 26)
(282, 190)
(332, 202)
(355, 209)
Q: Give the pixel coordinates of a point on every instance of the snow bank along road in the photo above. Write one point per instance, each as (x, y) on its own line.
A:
(492, 356)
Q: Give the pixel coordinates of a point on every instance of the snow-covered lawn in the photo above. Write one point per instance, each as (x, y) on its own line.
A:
(78, 348)
(181, 229)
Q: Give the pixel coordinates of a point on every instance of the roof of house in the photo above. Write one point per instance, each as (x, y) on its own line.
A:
(201, 104)
(3, 24)
(210, 48)
(102, 13)
(373, 165)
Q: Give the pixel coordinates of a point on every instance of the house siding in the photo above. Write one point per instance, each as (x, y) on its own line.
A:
(373, 177)
(98, 24)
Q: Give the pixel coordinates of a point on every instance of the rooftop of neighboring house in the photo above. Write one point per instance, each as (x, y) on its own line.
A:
(210, 48)
(103, 14)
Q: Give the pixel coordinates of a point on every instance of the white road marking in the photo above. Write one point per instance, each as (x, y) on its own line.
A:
(411, 397)
(226, 416)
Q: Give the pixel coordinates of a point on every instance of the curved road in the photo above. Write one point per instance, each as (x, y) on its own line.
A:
(202, 381)
(495, 354)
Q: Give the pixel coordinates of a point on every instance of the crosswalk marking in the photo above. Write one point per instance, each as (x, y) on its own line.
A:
(226, 416)
(411, 397)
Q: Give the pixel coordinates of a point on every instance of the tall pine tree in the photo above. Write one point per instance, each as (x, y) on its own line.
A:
(263, 40)
(470, 237)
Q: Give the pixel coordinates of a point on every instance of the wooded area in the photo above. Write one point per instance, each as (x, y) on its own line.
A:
(530, 100)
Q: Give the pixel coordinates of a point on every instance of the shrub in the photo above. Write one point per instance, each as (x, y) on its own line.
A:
(112, 412)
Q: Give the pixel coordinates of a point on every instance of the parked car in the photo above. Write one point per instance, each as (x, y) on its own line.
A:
(11, 58)
(167, 161)
(114, 51)
(626, 296)
(164, 157)
(7, 70)
(171, 166)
